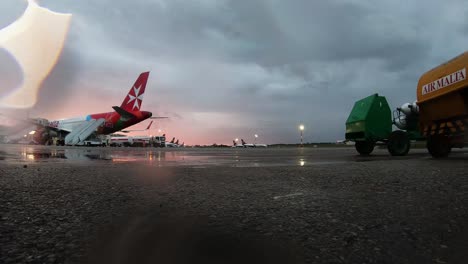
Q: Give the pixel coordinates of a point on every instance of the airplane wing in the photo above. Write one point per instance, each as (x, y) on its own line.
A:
(138, 130)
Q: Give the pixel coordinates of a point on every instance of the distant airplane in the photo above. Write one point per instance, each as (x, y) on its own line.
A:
(253, 145)
(235, 145)
(174, 143)
(74, 130)
(245, 145)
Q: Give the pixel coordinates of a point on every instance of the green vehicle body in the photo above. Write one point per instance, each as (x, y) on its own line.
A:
(370, 119)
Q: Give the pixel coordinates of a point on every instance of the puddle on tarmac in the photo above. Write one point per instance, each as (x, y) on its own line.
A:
(153, 157)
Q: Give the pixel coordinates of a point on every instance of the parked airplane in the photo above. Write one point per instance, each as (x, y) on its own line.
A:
(174, 143)
(245, 145)
(235, 145)
(74, 130)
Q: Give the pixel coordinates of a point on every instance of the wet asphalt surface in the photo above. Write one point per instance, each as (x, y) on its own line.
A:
(125, 205)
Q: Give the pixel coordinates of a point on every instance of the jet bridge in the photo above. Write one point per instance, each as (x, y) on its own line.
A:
(82, 132)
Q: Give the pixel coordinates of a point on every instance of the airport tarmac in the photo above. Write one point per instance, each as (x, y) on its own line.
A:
(285, 205)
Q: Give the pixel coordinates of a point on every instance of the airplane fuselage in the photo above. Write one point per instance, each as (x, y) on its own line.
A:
(76, 129)
(113, 122)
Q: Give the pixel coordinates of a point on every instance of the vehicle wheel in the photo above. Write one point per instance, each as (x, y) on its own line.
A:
(439, 146)
(365, 147)
(398, 143)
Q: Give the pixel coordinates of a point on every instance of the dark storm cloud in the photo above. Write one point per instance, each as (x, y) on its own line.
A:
(267, 64)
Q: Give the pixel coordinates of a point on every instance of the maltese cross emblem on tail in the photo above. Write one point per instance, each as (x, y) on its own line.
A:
(136, 98)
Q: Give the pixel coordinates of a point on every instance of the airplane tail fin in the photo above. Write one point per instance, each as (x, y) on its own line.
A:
(243, 142)
(134, 98)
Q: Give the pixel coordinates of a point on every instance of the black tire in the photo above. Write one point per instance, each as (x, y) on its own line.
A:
(365, 148)
(439, 146)
(398, 143)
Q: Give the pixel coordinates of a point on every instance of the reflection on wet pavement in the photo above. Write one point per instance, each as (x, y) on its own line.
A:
(201, 157)
(160, 157)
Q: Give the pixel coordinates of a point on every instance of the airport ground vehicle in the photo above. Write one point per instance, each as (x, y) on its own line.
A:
(443, 102)
(370, 122)
(440, 115)
(159, 141)
(137, 141)
(92, 143)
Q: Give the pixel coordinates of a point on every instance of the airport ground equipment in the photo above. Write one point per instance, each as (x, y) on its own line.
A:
(82, 132)
(370, 122)
(159, 141)
(442, 95)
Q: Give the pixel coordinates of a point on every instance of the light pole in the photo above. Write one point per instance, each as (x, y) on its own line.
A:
(301, 128)
(255, 140)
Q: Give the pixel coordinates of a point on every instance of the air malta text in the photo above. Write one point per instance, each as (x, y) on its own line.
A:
(445, 81)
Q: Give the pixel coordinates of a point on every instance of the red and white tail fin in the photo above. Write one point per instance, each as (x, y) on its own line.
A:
(149, 125)
(134, 98)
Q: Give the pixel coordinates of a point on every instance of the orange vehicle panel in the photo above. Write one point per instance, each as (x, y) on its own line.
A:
(443, 79)
(443, 98)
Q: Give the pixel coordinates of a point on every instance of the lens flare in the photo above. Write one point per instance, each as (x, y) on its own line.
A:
(36, 41)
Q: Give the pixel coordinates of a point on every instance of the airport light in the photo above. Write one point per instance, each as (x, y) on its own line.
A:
(255, 140)
(32, 132)
(301, 128)
(236, 139)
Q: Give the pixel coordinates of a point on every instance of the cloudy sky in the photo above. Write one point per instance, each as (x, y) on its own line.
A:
(223, 69)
